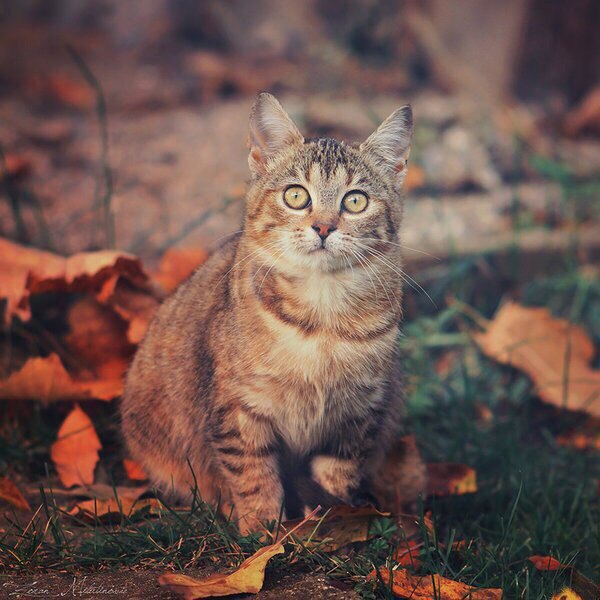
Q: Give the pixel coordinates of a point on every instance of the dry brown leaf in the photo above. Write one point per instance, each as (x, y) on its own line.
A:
(545, 563)
(98, 338)
(445, 479)
(75, 452)
(342, 525)
(11, 494)
(134, 305)
(108, 511)
(247, 579)
(27, 271)
(134, 470)
(415, 178)
(407, 554)
(47, 380)
(427, 587)
(554, 353)
(176, 265)
(585, 116)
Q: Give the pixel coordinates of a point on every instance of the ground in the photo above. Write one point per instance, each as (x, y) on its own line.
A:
(499, 207)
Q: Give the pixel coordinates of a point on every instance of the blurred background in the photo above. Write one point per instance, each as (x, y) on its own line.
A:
(124, 123)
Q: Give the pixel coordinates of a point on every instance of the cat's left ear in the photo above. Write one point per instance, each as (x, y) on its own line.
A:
(389, 146)
(271, 131)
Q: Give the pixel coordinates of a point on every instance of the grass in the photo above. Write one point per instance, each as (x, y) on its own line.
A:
(535, 497)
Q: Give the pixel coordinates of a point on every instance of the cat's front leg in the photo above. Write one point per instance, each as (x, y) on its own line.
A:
(245, 448)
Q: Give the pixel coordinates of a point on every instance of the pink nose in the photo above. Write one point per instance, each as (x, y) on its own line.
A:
(324, 229)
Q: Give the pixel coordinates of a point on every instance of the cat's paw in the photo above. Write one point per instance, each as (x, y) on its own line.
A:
(362, 497)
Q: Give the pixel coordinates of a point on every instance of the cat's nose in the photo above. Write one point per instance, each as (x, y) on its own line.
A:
(324, 229)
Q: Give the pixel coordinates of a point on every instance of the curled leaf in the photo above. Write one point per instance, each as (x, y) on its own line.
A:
(545, 563)
(47, 380)
(134, 470)
(11, 494)
(426, 587)
(247, 579)
(445, 479)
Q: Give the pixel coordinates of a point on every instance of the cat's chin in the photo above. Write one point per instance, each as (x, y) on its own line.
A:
(322, 259)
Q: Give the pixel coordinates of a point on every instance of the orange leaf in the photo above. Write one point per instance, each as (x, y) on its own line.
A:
(133, 470)
(407, 554)
(567, 594)
(445, 479)
(110, 510)
(248, 579)
(136, 307)
(27, 271)
(47, 380)
(176, 265)
(415, 178)
(12, 495)
(545, 563)
(75, 452)
(426, 587)
(553, 352)
(98, 338)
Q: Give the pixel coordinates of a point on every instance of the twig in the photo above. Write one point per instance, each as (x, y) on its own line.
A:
(101, 112)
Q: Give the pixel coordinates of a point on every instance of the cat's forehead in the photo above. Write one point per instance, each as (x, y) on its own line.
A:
(327, 158)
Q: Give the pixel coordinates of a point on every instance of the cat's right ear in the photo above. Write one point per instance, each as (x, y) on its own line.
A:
(271, 131)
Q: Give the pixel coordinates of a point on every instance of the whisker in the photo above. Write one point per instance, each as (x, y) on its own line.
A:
(404, 247)
(404, 276)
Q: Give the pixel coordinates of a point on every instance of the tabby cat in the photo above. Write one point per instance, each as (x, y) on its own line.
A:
(270, 379)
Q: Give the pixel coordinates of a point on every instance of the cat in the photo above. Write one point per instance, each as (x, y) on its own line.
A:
(272, 374)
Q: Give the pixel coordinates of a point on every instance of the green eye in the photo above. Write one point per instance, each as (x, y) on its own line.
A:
(296, 197)
(355, 202)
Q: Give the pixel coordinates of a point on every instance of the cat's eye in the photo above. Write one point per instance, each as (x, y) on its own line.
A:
(296, 197)
(355, 202)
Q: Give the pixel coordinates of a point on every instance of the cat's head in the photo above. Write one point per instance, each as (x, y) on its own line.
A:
(320, 203)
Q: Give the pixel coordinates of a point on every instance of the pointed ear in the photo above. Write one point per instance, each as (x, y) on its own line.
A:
(389, 146)
(271, 131)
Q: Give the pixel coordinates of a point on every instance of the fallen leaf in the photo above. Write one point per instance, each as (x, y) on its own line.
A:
(134, 470)
(585, 437)
(11, 494)
(340, 526)
(98, 338)
(553, 352)
(176, 265)
(415, 178)
(47, 380)
(109, 510)
(17, 166)
(137, 307)
(545, 563)
(27, 271)
(407, 554)
(585, 116)
(247, 579)
(427, 587)
(75, 452)
(567, 594)
(445, 479)
(69, 91)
